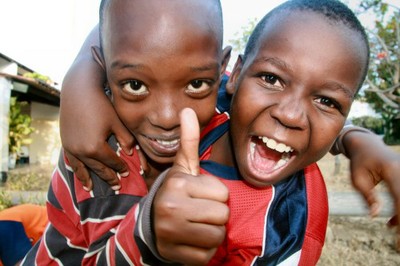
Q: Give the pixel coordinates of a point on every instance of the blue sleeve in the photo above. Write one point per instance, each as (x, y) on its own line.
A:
(224, 99)
(14, 243)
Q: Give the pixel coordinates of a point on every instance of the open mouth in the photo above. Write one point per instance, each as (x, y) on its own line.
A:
(268, 155)
(167, 143)
(164, 146)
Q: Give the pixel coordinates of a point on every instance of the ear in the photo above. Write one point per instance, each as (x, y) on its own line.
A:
(230, 85)
(226, 56)
(98, 57)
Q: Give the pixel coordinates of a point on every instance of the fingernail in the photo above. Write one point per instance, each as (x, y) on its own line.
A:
(86, 188)
(130, 152)
(116, 187)
(124, 174)
(375, 209)
(141, 172)
(137, 147)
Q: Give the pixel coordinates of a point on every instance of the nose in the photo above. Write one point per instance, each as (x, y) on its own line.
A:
(291, 112)
(164, 113)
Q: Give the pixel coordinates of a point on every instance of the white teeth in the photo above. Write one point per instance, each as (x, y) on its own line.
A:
(280, 163)
(271, 144)
(252, 147)
(168, 142)
(279, 147)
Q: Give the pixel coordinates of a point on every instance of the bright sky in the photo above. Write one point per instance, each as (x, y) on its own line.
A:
(45, 35)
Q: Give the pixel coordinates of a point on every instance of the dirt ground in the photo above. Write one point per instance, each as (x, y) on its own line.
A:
(355, 240)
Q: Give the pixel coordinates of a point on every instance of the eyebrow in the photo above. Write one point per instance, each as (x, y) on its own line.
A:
(210, 66)
(120, 65)
(337, 86)
(276, 62)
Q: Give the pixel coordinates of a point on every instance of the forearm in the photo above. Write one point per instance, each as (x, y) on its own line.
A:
(82, 89)
(347, 141)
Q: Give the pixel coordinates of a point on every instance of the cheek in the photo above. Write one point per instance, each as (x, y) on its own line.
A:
(247, 106)
(204, 116)
(244, 115)
(130, 115)
(322, 138)
(204, 110)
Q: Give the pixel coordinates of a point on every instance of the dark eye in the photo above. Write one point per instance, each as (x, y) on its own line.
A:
(134, 87)
(272, 80)
(328, 102)
(198, 86)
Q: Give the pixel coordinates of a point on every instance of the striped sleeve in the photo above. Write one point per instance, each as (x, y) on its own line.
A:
(96, 228)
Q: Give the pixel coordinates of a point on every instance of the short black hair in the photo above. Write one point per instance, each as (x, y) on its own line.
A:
(334, 10)
(105, 3)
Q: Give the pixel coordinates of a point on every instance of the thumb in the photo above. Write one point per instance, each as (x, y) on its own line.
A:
(187, 156)
(365, 185)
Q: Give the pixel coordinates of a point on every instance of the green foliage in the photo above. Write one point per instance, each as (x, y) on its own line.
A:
(383, 80)
(38, 76)
(19, 126)
(242, 36)
(372, 123)
(5, 200)
(28, 181)
(26, 185)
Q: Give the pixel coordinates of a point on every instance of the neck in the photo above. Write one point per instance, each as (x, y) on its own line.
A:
(153, 170)
(222, 151)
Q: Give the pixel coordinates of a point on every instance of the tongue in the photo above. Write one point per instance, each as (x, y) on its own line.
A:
(264, 158)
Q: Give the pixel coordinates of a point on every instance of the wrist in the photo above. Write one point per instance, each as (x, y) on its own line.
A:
(342, 145)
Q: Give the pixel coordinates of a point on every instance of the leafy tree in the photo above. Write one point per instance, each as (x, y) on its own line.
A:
(372, 123)
(38, 77)
(242, 36)
(383, 80)
(20, 126)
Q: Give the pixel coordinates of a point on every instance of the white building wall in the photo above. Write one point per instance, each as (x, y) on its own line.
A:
(46, 142)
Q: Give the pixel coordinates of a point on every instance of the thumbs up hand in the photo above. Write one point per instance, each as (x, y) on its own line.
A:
(189, 209)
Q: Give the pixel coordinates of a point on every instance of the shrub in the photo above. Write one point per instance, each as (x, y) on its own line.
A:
(372, 123)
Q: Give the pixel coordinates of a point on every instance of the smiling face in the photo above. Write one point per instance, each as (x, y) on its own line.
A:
(159, 62)
(292, 94)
